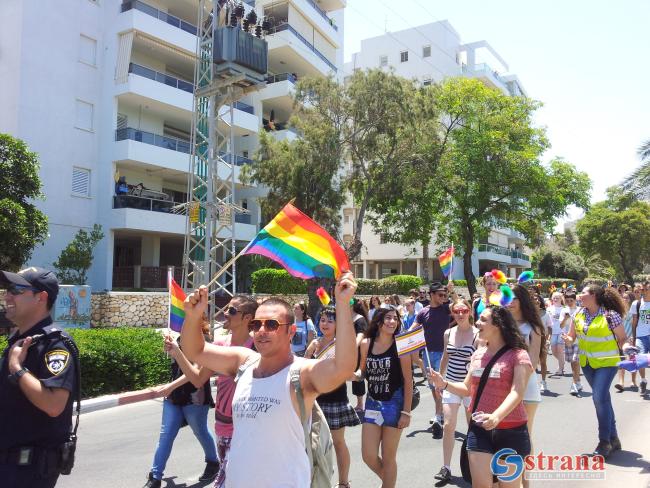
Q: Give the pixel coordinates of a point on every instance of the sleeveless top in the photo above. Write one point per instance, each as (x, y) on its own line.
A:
(458, 362)
(384, 372)
(263, 417)
(338, 395)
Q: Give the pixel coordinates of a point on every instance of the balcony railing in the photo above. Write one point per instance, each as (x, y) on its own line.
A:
(281, 77)
(285, 26)
(503, 251)
(165, 17)
(239, 160)
(243, 218)
(136, 69)
(141, 203)
(519, 255)
(165, 142)
(244, 107)
(323, 14)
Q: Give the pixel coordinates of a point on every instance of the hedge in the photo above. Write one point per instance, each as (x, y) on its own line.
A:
(119, 359)
(277, 282)
(391, 285)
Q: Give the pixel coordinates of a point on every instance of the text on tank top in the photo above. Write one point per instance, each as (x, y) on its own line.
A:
(458, 360)
(383, 372)
(264, 416)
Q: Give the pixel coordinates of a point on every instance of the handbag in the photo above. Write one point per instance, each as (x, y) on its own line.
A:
(464, 457)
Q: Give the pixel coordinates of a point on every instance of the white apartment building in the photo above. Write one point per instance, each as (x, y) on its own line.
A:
(102, 89)
(429, 53)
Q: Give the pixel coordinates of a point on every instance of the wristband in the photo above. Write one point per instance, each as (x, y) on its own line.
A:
(408, 414)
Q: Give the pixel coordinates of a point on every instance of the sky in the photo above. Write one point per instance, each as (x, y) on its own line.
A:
(587, 61)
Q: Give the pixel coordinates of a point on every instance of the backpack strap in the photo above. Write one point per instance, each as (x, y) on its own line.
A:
(250, 361)
(294, 374)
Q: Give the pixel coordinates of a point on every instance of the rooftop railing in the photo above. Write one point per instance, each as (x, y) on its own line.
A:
(166, 142)
(154, 12)
(169, 80)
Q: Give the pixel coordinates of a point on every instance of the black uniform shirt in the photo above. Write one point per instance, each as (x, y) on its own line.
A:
(51, 361)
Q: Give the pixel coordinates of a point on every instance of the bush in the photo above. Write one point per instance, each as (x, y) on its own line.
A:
(277, 282)
(399, 284)
(120, 359)
(461, 282)
(562, 263)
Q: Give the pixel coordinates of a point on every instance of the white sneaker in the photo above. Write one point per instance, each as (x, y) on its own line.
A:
(574, 390)
(579, 386)
(542, 387)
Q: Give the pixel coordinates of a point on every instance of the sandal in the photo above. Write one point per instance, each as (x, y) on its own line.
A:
(619, 387)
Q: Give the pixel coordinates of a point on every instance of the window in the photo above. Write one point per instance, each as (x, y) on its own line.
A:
(347, 219)
(404, 56)
(84, 115)
(383, 61)
(426, 51)
(426, 82)
(122, 121)
(80, 182)
(244, 153)
(87, 50)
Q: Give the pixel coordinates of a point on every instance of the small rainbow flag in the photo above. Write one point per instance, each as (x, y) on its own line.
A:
(446, 260)
(300, 245)
(176, 308)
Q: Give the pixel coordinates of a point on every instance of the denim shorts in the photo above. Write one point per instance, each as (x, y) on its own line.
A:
(643, 343)
(384, 413)
(492, 441)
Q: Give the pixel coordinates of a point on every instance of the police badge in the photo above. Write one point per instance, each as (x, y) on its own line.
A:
(56, 360)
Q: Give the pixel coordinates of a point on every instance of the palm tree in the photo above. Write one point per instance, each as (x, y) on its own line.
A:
(638, 182)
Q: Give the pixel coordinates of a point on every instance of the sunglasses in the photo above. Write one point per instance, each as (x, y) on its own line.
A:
(232, 311)
(270, 325)
(440, 295)
(460, 311)
(16, 290)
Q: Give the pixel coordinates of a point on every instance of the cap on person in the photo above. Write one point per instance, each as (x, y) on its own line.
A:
(39, 278)
(436, 286)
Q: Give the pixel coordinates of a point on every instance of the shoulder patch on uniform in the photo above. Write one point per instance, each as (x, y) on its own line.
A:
(57, 360)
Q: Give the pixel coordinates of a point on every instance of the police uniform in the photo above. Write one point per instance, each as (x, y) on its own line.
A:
(30, 440)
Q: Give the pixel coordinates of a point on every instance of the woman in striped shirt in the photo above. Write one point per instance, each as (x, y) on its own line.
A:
(460, 344)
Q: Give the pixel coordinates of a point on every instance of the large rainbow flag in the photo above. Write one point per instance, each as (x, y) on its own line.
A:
(446, 260)
(176, 308)
(300, 245)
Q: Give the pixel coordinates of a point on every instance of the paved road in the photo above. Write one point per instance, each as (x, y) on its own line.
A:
(116, 446)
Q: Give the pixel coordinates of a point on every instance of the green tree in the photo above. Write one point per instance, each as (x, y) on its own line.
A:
(638, 183)
(77, 257)
(22, 225)
(618, 231)
(480, 169)
(561, 264)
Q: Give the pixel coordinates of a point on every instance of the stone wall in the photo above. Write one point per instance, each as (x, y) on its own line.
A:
(136, 309)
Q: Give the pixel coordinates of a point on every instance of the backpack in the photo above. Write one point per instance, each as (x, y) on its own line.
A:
(318, 438)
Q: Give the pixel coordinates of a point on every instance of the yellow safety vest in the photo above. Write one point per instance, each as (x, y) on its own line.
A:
(599, 342)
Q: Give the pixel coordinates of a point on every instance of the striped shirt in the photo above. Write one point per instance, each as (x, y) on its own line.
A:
(459, 358)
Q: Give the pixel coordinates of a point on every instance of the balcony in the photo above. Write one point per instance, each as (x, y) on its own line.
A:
(492, 252)
(331, 5)
(168, 80)
(287, 45)
(141, 203)
(322, 13)
(289, 134)
(158, 14)
(519, 258)
(154, 150)
(166, 142)
(487, 75)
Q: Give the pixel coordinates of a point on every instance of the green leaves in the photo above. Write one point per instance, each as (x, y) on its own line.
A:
(22, 225)
(77, 257)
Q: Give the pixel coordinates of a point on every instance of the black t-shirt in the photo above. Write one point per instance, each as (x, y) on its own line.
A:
(383, 372)
(50, 360)
(435, 321)
(360, 325)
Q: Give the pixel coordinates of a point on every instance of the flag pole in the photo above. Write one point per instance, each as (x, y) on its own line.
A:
(227, 264)
(451, 268)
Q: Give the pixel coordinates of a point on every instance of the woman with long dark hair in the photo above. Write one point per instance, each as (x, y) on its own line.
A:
(499, 418)
(375, 304)
(305, 330)
(390, 392)
(360, 320)
(599, 332)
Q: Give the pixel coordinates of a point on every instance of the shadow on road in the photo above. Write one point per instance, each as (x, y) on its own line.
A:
(171, 483)
(629, 459)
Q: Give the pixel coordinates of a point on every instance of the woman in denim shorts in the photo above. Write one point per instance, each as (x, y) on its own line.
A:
(390, 392)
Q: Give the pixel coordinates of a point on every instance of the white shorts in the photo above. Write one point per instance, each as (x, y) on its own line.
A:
(449, 397)
(532, 394)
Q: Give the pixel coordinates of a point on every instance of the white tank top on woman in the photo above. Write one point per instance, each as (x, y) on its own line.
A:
(532, 394)
(268, 443)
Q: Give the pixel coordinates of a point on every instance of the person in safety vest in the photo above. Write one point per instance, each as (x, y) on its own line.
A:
(598, 330)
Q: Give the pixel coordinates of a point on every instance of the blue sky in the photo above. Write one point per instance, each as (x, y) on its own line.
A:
(586, 60)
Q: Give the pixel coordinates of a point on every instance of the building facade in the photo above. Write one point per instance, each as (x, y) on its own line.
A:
(102, 90)
(430, 53)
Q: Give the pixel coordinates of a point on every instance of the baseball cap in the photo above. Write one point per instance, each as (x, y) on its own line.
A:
(39, 278)
(436, 286)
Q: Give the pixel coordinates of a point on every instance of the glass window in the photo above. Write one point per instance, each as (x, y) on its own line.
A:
(87, 50)
(426, 51)
(383, 61)
(404, 56)
(84, 115)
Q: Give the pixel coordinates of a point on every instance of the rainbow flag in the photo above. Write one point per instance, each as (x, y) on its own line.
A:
(446, 260)
(300, 245)
(176, 308)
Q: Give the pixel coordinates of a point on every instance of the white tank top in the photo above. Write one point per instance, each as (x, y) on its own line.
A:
(268, 444)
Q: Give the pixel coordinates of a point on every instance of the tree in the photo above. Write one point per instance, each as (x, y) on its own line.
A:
(619, 231)
(480, 169)
(22, 225)
(561, 264)
(638, 183)
(77, 257)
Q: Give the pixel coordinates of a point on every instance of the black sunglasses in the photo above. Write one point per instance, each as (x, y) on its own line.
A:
(20, 289)
(270, 325)
(232, 311)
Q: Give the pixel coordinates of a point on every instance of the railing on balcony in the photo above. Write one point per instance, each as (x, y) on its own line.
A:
(172, 81)
(165, 17)
(144, 276)
(239, 160)
(519, 255)
(166, 142)
(244, 107)
(142, 203)
(494, 249)
(323, 14)
(286, 26)
(290, 77)
(243, 218)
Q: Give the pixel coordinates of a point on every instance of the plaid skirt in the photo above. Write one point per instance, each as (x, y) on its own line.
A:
(339, 414)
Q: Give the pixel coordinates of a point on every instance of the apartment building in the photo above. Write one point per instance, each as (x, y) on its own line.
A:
(102, 91)
(429, 53)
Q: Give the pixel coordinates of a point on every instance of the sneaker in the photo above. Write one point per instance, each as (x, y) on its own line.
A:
(579, 386)
(603, 449)
(443, 475)
(437, 430)
(210, 472)
(152, 482)
(574, 390)
(542, 387)
(644, 387)
(616, 443)
(634, 387)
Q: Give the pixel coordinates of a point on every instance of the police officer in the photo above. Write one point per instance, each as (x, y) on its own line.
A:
(38, 382)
